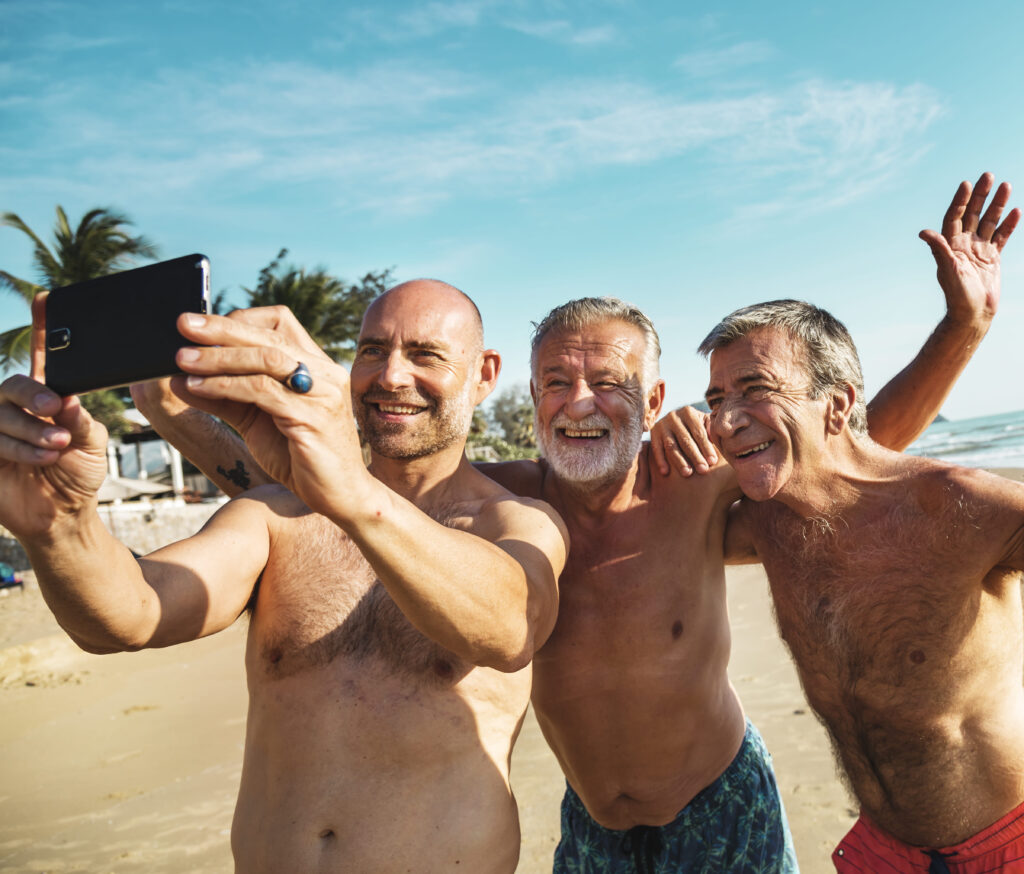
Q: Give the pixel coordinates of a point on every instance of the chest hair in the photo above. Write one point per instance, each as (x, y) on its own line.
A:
(320, 600)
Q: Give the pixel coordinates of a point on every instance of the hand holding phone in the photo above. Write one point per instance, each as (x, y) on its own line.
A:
(121, 328)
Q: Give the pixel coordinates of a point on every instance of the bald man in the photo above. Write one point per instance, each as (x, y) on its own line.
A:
(394, 611)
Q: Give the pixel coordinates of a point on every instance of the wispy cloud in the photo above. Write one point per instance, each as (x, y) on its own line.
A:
(395, 138)
(563, 31)
(715, 62)
(421, 22)
(70, 42)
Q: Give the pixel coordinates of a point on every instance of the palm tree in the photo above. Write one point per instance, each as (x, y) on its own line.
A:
(327, 307)
(100, 245)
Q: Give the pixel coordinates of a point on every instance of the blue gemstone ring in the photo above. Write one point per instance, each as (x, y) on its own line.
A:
(299, 380)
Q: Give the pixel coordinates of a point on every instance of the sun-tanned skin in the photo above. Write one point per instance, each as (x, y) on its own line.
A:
(388, 655)
(896, 584)
(636, 624)
(631, 688)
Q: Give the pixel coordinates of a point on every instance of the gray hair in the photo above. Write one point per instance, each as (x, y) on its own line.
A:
(830, 356)
(586, 311)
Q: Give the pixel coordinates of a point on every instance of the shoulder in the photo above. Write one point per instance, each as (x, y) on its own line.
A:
(272, 506)
(524, 477)
(490, 510)
(939, 484)
(716, 488)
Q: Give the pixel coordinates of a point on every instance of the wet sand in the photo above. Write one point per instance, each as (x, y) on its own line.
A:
(130, 762)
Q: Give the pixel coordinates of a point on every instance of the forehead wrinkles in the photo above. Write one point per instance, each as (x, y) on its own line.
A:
(437, 331)
(575, 351)
(774, 356)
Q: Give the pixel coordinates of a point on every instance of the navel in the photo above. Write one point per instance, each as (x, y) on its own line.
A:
(918, 657)
(327, 834)
(677, 629)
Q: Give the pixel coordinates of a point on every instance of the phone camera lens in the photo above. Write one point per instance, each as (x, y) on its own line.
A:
(59, 338)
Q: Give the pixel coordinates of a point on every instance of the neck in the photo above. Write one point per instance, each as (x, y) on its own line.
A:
(423, 481)
(593, 503)
(835, 481)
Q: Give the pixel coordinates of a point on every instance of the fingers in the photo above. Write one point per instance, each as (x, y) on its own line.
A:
(27, 435)
(282, 322)
(238, 360)
(952, 220)
(1002, 233)
(680, 439)
(939, 244)
(38, 344)
(694, 447)
(972, 212)
(237, 415)
(986, 227)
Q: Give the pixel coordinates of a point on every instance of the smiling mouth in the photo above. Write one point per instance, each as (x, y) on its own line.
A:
(398, 409)
(753, 450)
(587, 434)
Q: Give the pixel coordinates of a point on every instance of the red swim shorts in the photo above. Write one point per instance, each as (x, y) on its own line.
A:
(867, 848)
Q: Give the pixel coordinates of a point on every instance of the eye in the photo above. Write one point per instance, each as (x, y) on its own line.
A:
(369, 352)
(714, 403)
(425, 354)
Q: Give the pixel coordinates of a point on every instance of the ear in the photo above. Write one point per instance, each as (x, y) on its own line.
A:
(533, 393)
(652, 404)
(839, 409)
(490, 367)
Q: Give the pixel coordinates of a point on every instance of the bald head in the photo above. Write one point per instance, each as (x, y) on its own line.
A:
(433, 296)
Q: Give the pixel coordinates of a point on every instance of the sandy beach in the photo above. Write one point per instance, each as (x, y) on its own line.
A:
(130, 763)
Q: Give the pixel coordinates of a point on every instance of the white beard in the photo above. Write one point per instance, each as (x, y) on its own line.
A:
(595, 463)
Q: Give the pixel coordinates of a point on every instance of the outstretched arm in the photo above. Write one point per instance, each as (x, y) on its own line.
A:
(52, 463)
(967, 254)
(203, 439)
(489, 596)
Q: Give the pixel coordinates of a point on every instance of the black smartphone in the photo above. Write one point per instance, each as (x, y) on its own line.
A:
(120, 329)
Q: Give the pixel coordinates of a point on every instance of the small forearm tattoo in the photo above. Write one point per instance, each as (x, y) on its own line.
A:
(237, 475)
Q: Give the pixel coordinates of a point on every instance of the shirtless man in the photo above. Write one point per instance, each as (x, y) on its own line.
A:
(631, 689)
(896, 583)
(394, 612)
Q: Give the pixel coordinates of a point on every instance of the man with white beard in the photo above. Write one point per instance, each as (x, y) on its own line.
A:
(663, 771)
(631, 689)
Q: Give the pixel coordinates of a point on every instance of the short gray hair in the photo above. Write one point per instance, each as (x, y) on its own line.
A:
(829, 353)
(586, 311)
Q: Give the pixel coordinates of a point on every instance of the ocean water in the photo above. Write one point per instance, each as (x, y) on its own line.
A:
(987, 441)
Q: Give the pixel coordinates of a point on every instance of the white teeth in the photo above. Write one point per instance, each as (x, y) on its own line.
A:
(757, 448)
(569, 432)
(398, 410)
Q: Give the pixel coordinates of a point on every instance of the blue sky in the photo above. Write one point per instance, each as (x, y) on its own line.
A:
(688, 158)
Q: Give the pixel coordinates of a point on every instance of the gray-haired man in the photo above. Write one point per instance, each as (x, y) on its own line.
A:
(896, 583)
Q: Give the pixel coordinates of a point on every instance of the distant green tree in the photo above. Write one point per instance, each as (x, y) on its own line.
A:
(329, 308)
(511, 411)
(101, 244)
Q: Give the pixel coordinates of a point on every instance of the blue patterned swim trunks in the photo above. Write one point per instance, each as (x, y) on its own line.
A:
(735, 825)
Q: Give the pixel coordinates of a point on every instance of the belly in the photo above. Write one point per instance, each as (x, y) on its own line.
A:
(348, 769)
(640, 733)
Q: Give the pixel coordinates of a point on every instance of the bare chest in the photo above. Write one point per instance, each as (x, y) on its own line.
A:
(320, 601)
(884, 604)
(644, 588)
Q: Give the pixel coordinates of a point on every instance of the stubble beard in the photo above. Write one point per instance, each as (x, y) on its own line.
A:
(590, 467)
(445, 421)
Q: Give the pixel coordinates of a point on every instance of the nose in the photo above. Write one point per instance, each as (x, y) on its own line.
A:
(580, 402)
(395, 372)
(727, 419)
